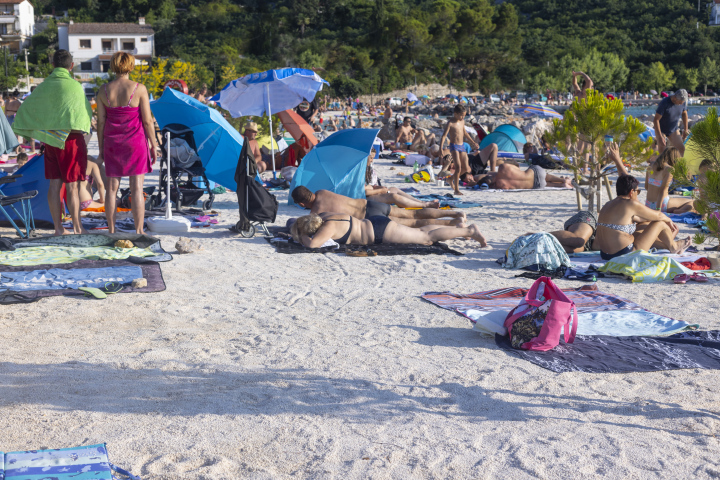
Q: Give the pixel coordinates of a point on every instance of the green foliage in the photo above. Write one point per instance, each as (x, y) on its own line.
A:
(653, 77)
(588, 121)
(709, 72)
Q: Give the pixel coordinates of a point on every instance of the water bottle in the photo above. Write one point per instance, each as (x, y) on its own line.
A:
(416, 167)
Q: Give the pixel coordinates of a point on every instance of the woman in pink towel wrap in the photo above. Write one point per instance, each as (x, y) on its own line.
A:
(125, 126)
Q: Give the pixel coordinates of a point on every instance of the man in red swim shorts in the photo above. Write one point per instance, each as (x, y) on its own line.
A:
(58, 114)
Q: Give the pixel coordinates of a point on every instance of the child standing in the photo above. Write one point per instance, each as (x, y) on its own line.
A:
(457, 134)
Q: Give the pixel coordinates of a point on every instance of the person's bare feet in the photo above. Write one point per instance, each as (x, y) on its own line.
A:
(457, 214)
(63, 232)
(568, 183)
(457, 192)
(682, 245)
(433, 204)
(476, 235)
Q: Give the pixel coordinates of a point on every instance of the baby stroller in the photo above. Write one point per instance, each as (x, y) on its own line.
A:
(255, 203)
(185, 162)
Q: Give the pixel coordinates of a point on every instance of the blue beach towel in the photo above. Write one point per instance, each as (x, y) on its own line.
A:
(78, 463)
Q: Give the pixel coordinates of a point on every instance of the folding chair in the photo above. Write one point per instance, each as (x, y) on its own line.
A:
(10, 201)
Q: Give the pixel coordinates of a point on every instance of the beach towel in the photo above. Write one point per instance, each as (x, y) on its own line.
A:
(608, 354)
(495, 190)
(150, 271)
(538, 251)
(145, 242)
(642, 267)
(283, 243)
(58, 255)
(61, 279)
(57, 106)
(78, 463)
(687, 217)
(599, 313)
(447, 200)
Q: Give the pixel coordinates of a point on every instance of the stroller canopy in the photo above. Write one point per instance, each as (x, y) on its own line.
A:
(338, 164)
(508, 138)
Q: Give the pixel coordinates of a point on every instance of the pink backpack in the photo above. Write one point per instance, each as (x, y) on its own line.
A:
(537, 322)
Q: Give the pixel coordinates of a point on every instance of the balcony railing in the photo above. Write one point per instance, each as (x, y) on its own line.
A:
(86, 76)
(108, 51)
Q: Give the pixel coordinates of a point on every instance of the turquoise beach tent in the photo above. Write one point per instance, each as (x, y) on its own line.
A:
(338, 164)
(508, 138)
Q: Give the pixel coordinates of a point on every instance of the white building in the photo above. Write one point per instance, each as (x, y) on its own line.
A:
(93, 44)
(17, 24)
(715, 13)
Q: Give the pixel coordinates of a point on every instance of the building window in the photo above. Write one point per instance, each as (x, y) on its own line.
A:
(6, 29)
(128, 45)
(106, 45)
(7, 9)
(86, 66)
(104, 67)
(85, 44)
(144, 39)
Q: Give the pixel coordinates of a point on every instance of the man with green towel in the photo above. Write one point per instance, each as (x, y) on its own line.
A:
(58, 114)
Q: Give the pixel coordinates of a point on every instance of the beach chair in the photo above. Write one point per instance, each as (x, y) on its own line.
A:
(23, 201)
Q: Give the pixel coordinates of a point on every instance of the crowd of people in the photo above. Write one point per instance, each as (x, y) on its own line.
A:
(59, 115)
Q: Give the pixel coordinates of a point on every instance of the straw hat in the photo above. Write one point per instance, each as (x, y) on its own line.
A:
(252, 126)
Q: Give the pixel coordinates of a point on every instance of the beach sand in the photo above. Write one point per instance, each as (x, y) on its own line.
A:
(254, 364)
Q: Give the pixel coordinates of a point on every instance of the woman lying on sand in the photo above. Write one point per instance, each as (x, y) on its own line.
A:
(617, 232)
(657, 182)
(314, 230)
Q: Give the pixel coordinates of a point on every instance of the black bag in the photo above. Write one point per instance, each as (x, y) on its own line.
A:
(254, 202)
(545, 162)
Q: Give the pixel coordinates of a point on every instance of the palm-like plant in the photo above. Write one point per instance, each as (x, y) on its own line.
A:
(705, 143)
(589, 121)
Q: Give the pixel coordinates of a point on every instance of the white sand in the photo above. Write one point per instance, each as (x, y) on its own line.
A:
(254, 364)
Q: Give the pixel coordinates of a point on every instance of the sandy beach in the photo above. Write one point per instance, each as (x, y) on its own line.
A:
(258, 365)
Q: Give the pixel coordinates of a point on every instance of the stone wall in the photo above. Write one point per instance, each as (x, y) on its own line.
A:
(432, 90)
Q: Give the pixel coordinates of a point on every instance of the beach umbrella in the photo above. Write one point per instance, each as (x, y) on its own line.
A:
(297, 127)
(218, 143)
(412, 97)
(425, 97)
(534, 110)
(269, 92)
(653, 92)
(338, 164)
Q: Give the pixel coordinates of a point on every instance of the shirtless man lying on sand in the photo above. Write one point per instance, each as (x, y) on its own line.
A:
(324, 201)
(510, 177)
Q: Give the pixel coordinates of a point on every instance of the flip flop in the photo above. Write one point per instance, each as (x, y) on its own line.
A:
(699, 277)
(94, 292)
(681, 278)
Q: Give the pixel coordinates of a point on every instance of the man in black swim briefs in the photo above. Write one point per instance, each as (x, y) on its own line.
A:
(325, 201)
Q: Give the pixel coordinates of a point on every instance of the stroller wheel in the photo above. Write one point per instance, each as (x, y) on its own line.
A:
(207, 204)
(250, 232)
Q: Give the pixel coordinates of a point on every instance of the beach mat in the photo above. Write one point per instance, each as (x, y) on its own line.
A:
(606, 354)
(599, 313)
(75, 463)
(150, 271)
(285, 244)
(99, 240)
(447, 200)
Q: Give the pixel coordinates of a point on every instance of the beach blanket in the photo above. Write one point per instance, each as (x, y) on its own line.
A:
(126, 225)
(78, 463)
(149, 271)
(61, 279)
(447, 200)
(607, 354)
(495, 190)
(599, 313)
(145, 242)
(57, 106)
(58, 255)
(687, 217)
(284, 244)
(641, 266)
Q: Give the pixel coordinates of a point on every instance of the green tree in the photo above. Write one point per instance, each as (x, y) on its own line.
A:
(688, 78)
(590, 120)
(708, 72)
(654, 77)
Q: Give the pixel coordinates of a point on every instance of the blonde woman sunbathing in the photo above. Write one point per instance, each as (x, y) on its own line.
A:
(314, 230)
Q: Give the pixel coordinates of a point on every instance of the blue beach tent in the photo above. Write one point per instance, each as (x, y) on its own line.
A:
(338, 164)
(508, 138)
(33, 178)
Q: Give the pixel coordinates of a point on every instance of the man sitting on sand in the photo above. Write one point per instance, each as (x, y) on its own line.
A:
(404, 134)
(324, 201)
(510, 177)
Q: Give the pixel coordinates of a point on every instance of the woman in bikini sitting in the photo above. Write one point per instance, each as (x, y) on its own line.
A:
(617, 232)
(314, 230)
(658, 178)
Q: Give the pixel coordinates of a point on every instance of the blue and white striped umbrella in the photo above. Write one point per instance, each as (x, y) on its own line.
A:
(269, 92)
(534, 110)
